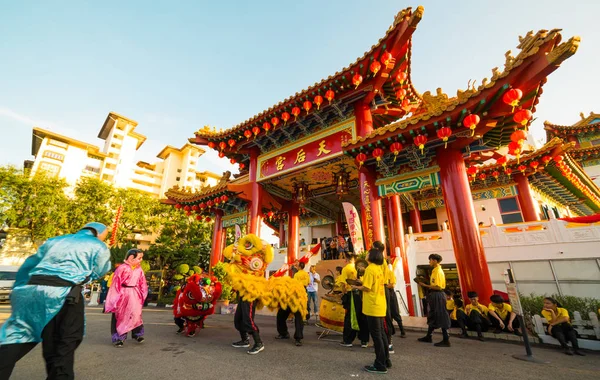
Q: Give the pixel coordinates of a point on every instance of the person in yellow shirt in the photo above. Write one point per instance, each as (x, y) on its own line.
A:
(449, 300)
(477, 315)
(375, 308)
(502, 317)
(352, 296)
(559, 325)
(283, 314)
(437, 316)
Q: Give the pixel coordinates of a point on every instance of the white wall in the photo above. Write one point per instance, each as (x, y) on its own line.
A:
(491, 210)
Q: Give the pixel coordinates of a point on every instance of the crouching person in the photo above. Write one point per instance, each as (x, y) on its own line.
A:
(502, 318)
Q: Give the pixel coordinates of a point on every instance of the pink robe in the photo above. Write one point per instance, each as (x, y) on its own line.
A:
(127, 301)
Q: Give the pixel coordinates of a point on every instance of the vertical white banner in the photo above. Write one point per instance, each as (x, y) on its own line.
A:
(354, 227)
(238, 232)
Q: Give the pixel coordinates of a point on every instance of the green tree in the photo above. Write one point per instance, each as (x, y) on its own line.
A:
(141, 213)
(91, 202)
(36, 203)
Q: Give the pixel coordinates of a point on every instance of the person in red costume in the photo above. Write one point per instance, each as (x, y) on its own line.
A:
(194, 302)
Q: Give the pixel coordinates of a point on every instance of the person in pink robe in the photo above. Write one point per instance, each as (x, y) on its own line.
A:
(126, 298)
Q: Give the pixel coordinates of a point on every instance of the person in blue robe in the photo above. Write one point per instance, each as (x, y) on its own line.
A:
(47, 302)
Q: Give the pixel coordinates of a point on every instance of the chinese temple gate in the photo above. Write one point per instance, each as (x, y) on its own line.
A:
(366, 136)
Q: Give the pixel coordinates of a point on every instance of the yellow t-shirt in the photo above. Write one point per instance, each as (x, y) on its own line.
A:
(502, 312)
(438, 278)
(374, 303)
(303, 277)
(390, 277)
(482, 309)
(348, 273)
(453, 314)
(449, 305)
(560, 312)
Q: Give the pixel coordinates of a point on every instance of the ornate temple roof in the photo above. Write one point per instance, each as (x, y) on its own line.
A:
(589, 124)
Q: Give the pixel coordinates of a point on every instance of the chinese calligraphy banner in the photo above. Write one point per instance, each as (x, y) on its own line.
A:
(354, 227)
(316, 148)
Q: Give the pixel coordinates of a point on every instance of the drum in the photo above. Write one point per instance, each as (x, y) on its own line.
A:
(331, 313)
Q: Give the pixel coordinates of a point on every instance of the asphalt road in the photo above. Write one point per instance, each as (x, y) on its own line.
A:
(209, 355)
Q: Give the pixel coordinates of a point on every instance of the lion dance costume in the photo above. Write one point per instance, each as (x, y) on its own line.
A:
(194, 302)
(248, 259)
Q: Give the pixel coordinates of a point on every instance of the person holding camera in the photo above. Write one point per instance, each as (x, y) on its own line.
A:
(47, 302)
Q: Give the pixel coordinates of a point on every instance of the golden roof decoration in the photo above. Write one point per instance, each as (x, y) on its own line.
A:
(186, 195)
(583, 123)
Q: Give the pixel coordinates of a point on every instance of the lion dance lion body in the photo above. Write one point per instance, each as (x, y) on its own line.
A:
(195, 301)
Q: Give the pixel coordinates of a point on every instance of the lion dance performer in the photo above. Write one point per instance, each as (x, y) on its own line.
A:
(194, 302)
(248, 259)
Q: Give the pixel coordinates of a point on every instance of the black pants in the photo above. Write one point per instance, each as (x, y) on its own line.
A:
(565, 333)
(474, 321)
(424, 306)
(282, 329)
(349, 334)
(60, 338)
(136, 333)
(388, 321)
(243, 321)
(496, 323)
(395, 310)
(380, 341)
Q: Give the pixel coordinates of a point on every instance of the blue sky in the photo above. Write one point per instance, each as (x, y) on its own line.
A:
(176, 66)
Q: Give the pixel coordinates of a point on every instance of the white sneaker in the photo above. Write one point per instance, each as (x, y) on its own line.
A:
(391, 349)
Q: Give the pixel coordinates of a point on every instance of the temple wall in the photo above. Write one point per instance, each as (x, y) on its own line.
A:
(484, 210)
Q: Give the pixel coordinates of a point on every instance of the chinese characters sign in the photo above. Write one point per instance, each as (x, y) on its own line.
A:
(354, 227)
(319, 147)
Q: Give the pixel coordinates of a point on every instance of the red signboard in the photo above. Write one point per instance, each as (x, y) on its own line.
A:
(321, 147)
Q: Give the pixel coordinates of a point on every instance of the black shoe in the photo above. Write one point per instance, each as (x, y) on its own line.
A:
(388, 363)
(579, 353)
(258, 347)
(426, 339)
(372, 369)
(463, 335)
(391, 349)
(241, 344)
(498, 331)
(180, 330)
(344, 344)
(568, 351)
(403, 334)
(119, 344)
(364, 344)
(480, 338)
(140, 339)
(298, 343)
(282, 337)
(443, 343)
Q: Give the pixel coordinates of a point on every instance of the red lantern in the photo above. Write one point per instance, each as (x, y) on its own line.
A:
(270, 214)
(209, 203)
(534, 165)
(202, 206)
(231, 143)
(285, 117)
(186, 208)
(188, 213)
(248, 134)
(329, 95)
(361, 158)
(256, 131)
(178, 206)
(420, 141)
(378, 153)
(222, 145)
(401, 77)
(502, 161)
(318, 101)
(522, 117)
(195, 207)
(275, 121)
(198, 217)
(518, 136)
(558, 159)
(546, 159)
(232, 161)
(374, 67)
(224, 198)
(508, 171)
(512, 97)
(472, 171)
(496, 174)
(207, 220)
(522, 168)
(444, 133)
(401, 94)
(386, 57)
(296, 111)
(221, 154)
(471, 121)
(482, 176)
(211, 145)
(406, 105)
(267, 127)
(242, 166)
(395, 148)
(217, 200)
(357, 80)
(307, 105)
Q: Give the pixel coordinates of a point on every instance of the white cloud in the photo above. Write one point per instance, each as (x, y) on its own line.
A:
(24, 119)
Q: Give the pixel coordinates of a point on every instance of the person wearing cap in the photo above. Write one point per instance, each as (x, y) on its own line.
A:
(501, 316)
(477, 315)
(126, 298)
(437, 316)
(47, 303)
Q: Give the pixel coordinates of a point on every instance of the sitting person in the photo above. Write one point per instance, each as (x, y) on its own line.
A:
(559, 325)
(477, 315)
(449, 301)
(458, 318)
(502, 317)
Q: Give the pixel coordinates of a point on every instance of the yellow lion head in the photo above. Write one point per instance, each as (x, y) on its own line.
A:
(250, 255)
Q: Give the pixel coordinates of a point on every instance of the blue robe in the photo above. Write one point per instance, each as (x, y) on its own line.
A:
(70, 257)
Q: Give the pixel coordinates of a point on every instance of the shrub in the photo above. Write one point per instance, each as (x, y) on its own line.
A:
(183, 269)
(197, 269)
(533, 304)
(178, 277)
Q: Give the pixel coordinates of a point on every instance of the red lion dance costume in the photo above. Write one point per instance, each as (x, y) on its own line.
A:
(194, 302)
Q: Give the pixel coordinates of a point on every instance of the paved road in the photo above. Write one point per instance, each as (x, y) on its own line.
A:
(209, 355)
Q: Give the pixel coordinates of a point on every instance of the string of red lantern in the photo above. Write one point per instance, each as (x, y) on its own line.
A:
(444, 133)
(420, 141)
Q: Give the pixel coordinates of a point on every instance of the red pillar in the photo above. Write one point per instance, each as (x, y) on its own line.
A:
(217, 240)
(396, 232)
(415, 220)
(372, 221)
(468, 249)
(364, 119)
(255, 218)
(528, 208)
(281, 234)
(293, 233)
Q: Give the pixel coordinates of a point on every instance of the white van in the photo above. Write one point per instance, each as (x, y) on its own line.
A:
(7, 279)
